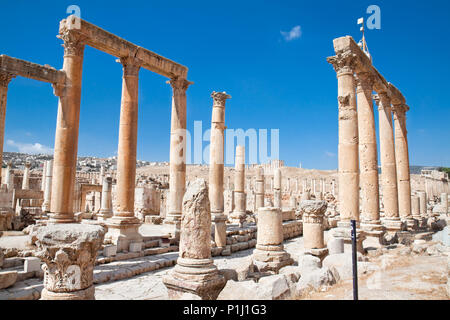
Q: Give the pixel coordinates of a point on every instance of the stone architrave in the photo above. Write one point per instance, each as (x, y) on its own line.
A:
(239, 212)
(48, 186)
(269, 254)
(26, 177)
(123, 226)
(259, 189)
(69, 252)
(277, 196)
(216, 168)
(313, 228)
(195, 272)
(177, 176)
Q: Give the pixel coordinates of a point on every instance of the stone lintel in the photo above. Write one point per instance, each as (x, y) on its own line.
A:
(31, 70)
(109, 43)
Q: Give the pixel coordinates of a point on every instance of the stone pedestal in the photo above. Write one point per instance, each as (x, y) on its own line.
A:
(269, 254)
(69, 252)
(313, 227)
(195, 272)
(344, 231)
(239, 212)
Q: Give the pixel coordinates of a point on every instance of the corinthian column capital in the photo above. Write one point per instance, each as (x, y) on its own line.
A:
(382, 100)
(179, 85)
(219, 98)
(364, 81)
(5, 78)
(74, 41)
(131, 66)
(343, 63)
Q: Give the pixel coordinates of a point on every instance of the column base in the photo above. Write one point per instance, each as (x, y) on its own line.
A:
(104, 215)
(86, 294)
(122, 231)
(271, 258)
(198, 277)
(238, 217)
(319, 253)
(393, 224)
(411, 224)
(61, 218)
(374, 232)
(344, 231)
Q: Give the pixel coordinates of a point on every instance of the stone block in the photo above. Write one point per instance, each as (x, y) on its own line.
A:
(7, 279)
(135, 247)
(32, 264)
(110, 250)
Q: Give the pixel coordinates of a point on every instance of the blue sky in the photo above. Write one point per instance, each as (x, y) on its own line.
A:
(237, 47)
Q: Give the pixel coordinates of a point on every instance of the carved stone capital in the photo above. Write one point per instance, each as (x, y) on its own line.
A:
(69, 252)
(364, 81)
(5, 78)
(382, 100)
(343, 63)
(131, 66)
(179, 85)
(219, 98)
(74, 42)
(59, 89)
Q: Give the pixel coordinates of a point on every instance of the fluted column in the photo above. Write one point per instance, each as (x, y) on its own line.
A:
(388, 165)
(177, 183)
(66, 136)
(216, 167)
(5, 79)
(123, 226)
(26, 177)
(368, 160)
(402, 162)
(238, 215)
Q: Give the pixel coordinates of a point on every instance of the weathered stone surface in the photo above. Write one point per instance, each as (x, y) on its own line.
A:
(316, 280)
(308, 263)
(243, 290)
(273, 287)
(7, 279)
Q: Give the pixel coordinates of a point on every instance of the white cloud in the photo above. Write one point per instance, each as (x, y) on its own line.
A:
(295, 33)
(29, 147)
(330, 154)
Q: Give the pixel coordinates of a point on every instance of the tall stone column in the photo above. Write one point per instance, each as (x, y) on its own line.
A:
(368, 159)
(123, 226)
(402, 162)
(216, 167)
(26, 177)
(195, 273)
(239, 213)
(388, 166)
(277, 199)
(259, 188)
(423, 203)
(5, 79)
(177, 183)
(415, 207)
(269, 254)
(69, 252)
(48, 186)
(106, 207)
(67, 125)
(348, 155)
(44, 170)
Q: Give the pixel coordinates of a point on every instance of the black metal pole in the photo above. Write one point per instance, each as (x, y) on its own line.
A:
(354, 262)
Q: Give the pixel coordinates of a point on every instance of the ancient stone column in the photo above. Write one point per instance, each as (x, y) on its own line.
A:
(293, 202)
(195, 272)
(5, 79)
(48, 186)
(269, 254)
(348, 155)
(69, 252)
(177, 154)
(402, 162)
(259, 187)
(415, 207)
(333, 188)
(216, 167)
(313, 229)
(67, 125)
(423, 203)
(10, 181)
(277, 189)
(368, 158)
(123, 226)
(44, 170)
(106, 208)
(238, 215)
(26, 177)
(388, 166)
(444, 202)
